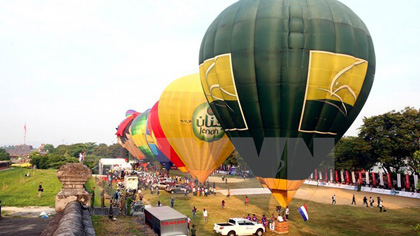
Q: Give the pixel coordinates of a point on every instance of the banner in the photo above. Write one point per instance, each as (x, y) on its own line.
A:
(381, 179)
(320, 175)
(373, 179)
(416, 181)
(353, 177)
(342, 176)
(367, 178)
(399, 180)
(347, 177)
(388, 176)
(326, 176)
(336, 176)
(312, 175)
(360, 177)
(407, 181)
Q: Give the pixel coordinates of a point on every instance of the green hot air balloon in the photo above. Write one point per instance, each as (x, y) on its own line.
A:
(286, 69)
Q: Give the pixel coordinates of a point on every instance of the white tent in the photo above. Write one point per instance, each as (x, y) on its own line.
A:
(110, 162)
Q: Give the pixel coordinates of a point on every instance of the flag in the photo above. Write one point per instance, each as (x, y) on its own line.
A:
(24, 127)
(304, 212)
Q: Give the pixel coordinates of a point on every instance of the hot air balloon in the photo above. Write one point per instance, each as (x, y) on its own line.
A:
(191, 128)
(138, 133)
(299, 70)
(124, 137)
(151, 141)
(163, 144)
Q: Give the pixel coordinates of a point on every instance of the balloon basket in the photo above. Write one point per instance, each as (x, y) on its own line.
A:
(281, 227)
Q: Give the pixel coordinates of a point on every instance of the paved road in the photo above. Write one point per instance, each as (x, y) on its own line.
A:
(23, 226)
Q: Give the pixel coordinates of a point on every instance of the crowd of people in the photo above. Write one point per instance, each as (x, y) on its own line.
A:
(366, 202)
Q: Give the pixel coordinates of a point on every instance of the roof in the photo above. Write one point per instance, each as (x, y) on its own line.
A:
(112, 161)
(165, 213)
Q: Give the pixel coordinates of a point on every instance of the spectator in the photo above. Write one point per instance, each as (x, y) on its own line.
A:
(194, 212)
(333, 200)
(280, 218)
(380, 206)
(246, 200)
(254, 218)
(248, 217)
(354, 200)
(365, 201)
(223, 204)
(40, 189)
(371, 202)
(205, 215)
(172, 202)
(287, 212)
(193, 231)
(228, 193)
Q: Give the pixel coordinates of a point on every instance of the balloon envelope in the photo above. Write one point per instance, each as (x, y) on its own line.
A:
(191, 128)
(124, 137)
(138, 133)
(162, 142)
(151, 141)
(286, 69)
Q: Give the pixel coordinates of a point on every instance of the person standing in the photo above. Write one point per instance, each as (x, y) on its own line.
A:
(172, 202)
(205, 215)
(381, 205)
(223, 204)
(40, 189)
(248, 217)
(194, 212)
(354, 200)
(228, 193)
(333, 200)
(246, 200)
(287, 212)
(102, 198)
(371, 201)
(93, 198)
(188, 223)
(264, 222)
(365, 201)
(379, 201)
(225, 180)
(193, 231)
(254, 218)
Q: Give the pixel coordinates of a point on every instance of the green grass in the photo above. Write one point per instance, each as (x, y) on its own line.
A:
(18, 190)
(324, 219)
(122, 226)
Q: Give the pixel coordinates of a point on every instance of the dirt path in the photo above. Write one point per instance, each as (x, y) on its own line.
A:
(344, 197)
(218, 179)
(27, 212)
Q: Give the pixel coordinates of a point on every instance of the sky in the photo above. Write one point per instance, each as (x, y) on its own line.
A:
(70, 69)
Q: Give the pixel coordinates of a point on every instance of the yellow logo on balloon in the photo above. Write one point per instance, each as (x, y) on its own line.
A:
(334, 79)
(219, 86)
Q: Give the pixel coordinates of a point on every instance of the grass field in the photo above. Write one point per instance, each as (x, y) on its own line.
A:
(324, 219)
(20, 191)
(124, 226)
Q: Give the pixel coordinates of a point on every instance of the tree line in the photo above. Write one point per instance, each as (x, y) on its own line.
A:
(54, 157)
(391, 140)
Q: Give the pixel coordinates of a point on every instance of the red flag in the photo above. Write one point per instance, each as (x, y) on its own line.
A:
(326, 176)
(373, 179)
(336, 176)
(388, 176)
(407, 181)
(347, 177)
(316, 174)
(360, 177)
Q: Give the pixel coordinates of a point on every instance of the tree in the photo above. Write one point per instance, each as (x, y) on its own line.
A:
(352, 153)
(4, 156)
(49, 148)
(393, 138)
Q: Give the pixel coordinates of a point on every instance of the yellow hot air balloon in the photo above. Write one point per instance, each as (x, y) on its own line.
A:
(191, 127)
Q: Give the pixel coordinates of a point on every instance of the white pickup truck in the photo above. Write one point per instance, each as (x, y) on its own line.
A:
(239, 226)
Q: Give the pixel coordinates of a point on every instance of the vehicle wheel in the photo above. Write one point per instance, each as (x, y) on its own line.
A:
(231, 233)
(172, 192)
(259, 232)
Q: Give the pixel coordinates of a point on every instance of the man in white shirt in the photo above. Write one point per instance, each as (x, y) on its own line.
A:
(287, 212)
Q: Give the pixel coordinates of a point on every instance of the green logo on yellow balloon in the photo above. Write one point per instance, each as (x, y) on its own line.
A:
(205, 124)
